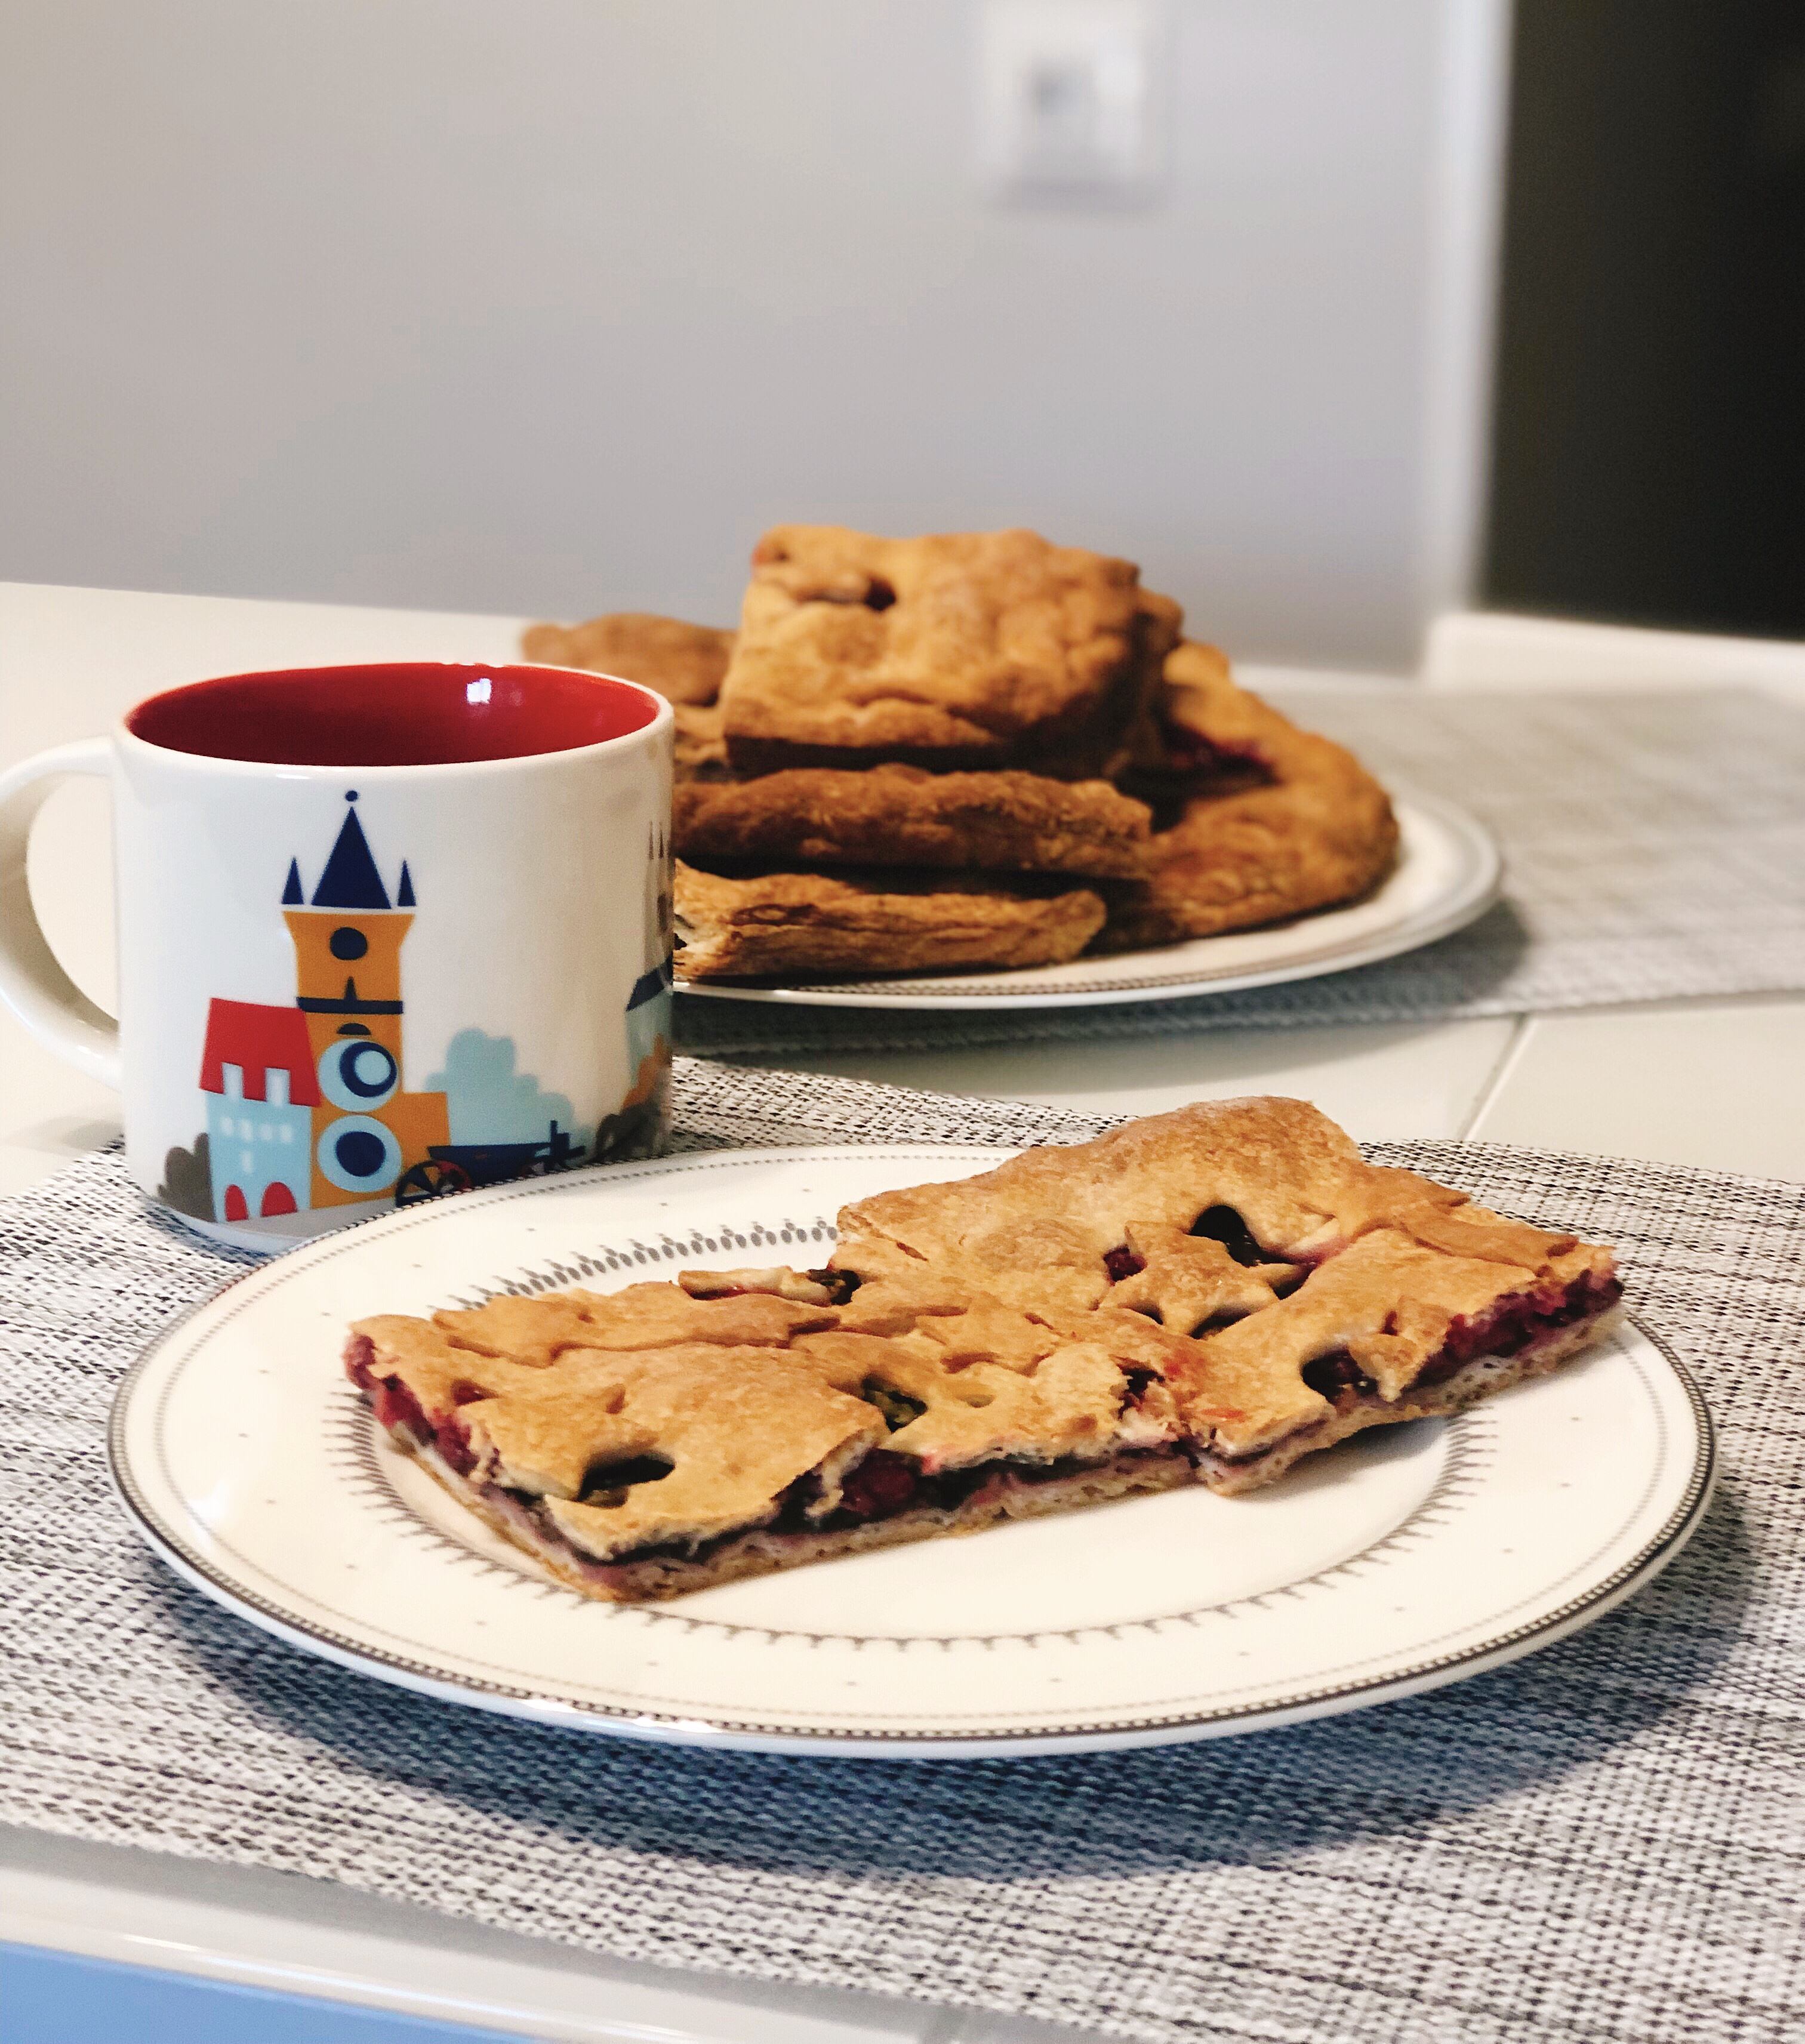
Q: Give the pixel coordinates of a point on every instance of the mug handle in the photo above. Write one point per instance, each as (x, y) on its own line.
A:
(37, 988)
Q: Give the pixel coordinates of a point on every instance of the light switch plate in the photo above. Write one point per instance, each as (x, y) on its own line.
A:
(1070, 104)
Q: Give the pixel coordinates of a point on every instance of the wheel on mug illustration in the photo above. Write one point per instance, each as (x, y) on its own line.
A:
(431, 1180)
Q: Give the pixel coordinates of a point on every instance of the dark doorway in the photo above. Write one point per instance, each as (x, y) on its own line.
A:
(1648, 440)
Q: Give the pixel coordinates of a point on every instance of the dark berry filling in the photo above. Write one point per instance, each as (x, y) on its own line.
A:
(1224, 1225)
(839, 1284)
(396, 1406)
(1506, 1329)
(898, 1407)
(881, 1486)
(1509, 1326)
(1190, 752)
(1122, 1263)
(1336, 1377)
(885, 1485)
(608, 1483)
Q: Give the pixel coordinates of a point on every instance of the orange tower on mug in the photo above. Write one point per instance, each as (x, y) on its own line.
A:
(347, 941)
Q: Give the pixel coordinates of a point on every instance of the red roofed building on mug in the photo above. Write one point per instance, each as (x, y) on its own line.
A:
(257, 1072)
(305, 1103)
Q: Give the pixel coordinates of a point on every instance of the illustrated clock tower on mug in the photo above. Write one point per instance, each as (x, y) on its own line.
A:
(348, 940)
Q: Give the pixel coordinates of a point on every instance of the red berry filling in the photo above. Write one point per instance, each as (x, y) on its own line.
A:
(885, 1484)
(1189, 752)
(881, 1486)
(1515, 1324)
(395, 1405)
(1505, 1329)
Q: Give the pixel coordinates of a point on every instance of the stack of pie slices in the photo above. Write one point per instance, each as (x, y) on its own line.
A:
(1202, 1296)
(973, 751)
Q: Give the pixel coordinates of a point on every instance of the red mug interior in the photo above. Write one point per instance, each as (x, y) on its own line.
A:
(413, 713)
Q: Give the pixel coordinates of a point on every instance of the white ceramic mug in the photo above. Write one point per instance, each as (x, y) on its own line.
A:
(384, 933)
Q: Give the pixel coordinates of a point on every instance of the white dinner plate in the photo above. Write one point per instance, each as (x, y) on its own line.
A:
(1448, 872)
(1409, 1557)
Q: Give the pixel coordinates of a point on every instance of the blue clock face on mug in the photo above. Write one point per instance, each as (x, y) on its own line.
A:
(358, 1074)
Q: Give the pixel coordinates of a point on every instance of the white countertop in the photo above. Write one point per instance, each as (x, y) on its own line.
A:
(1710, 1083)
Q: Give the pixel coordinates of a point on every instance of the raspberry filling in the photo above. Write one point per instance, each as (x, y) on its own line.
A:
(396, 1406)
(882, 1486)
(1514, 1324)
(1189, 752)
(1509, 1328)
(885, 1484)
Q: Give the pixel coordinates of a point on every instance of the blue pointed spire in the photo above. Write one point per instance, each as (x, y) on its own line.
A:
(404, 898)
(292, 897)
(350, 880)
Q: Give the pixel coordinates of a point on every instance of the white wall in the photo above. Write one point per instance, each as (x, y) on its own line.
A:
(549, 305)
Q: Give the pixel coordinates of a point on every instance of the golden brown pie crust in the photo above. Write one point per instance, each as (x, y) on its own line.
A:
(669, 1571)
(699, 752)
(1382, 1262)
(785, 924)
(533, 1331)
(1004, 822)
(738, 1426)
(1320, 830)
(684, 663)
(957, 650)
(1078, 1323)
(1013, 670)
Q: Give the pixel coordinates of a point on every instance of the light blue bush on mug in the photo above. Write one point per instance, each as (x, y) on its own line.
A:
(490, 1102)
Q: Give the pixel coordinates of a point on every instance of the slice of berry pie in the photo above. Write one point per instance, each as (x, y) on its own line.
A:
(633, 1472)
(1204, 1296)
(1308, 1293)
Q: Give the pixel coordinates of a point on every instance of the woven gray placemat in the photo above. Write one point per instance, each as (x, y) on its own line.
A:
(1605, 1842)
(1654, 849)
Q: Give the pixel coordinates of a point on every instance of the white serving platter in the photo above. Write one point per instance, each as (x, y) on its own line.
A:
(1408, 1558)
(1448, 872)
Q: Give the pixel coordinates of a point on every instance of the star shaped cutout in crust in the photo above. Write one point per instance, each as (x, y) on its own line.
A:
(1185, 1279)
